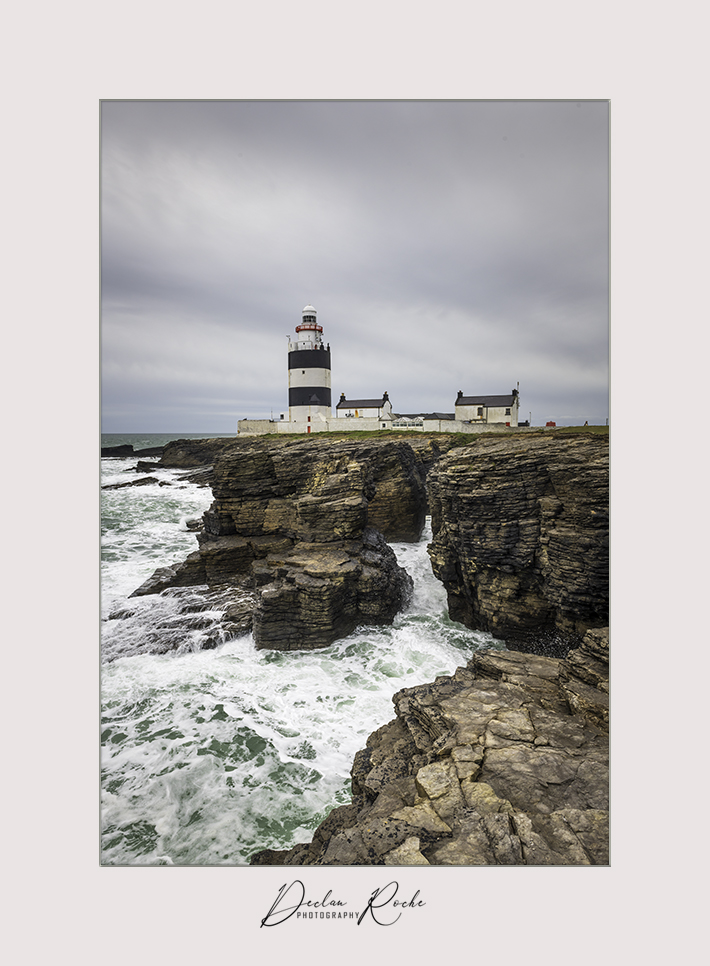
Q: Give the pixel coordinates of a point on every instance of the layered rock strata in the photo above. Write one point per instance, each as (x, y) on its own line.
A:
(303, 523)
(520, 541)
(505, 762)
(520, 531)
(187, 453)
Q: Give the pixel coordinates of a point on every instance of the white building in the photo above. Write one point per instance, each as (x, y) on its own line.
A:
(364, 408)
(488, 409)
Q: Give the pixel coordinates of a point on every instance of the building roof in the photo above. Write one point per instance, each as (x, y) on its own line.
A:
(507, 400)
(425, 416)
(361, 403)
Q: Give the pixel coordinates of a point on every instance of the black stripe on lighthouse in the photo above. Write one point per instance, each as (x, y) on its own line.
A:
(309, 396)
(309, 359)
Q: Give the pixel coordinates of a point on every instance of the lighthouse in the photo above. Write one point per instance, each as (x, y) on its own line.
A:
(308, 372)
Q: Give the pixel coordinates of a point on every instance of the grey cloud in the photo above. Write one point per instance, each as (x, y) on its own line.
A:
(445, 246)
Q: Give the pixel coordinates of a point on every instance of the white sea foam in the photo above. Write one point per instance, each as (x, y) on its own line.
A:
(210, 756)
(144, 528)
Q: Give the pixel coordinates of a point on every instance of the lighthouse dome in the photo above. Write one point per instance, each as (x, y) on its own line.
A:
(308, 310)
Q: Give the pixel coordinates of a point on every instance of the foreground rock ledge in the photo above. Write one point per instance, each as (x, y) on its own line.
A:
(503, 763)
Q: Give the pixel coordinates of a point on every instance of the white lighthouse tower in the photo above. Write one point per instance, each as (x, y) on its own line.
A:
(308, 373)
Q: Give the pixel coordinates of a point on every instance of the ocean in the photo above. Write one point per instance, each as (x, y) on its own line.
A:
(209, 755)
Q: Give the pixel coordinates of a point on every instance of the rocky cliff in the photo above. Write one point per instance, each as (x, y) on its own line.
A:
(521, 537)
(503, 763)
(303, 523)
(520, 532)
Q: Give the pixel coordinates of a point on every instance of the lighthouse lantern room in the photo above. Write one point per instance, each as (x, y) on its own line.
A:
(308, 372)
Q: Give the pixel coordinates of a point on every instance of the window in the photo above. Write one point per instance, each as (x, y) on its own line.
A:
(507, 412)
(480, 410)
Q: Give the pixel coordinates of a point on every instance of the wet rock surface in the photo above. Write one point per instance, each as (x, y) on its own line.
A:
(182, 620)
(505, 762)
(520, 540)
(302, 524)
(143, 481)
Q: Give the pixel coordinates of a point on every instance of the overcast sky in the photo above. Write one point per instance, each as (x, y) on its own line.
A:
(445, 246)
